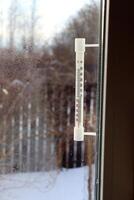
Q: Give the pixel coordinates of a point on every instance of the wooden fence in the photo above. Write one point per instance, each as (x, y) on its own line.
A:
(36, 129)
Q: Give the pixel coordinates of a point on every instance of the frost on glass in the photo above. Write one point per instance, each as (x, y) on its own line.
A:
(38, 157)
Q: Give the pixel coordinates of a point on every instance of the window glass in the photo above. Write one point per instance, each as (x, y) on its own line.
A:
(39, 158)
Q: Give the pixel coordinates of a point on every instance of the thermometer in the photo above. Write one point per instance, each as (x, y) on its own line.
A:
(80, 47)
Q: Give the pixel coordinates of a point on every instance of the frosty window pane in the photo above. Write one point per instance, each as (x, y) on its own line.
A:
(38, 157)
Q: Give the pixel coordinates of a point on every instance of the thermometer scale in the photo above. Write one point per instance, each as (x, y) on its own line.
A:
(80, 47)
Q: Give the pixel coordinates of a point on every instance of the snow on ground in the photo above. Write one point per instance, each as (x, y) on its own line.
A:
(69, 184)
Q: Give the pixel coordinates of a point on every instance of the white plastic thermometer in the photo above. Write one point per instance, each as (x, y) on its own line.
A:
(79, 89)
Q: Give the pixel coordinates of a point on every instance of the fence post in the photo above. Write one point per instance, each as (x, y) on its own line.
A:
(37, 137)
(20, 137)
(29, 138)
(12, 144)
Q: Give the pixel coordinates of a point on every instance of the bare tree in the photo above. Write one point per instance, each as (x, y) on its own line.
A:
(85, 24)
(13, 12)
(33, 26)
(1, 28)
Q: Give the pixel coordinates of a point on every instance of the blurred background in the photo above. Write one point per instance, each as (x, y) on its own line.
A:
(37, 84)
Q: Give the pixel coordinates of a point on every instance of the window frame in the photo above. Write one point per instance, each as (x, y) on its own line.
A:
(115, 122)
(101, 98)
